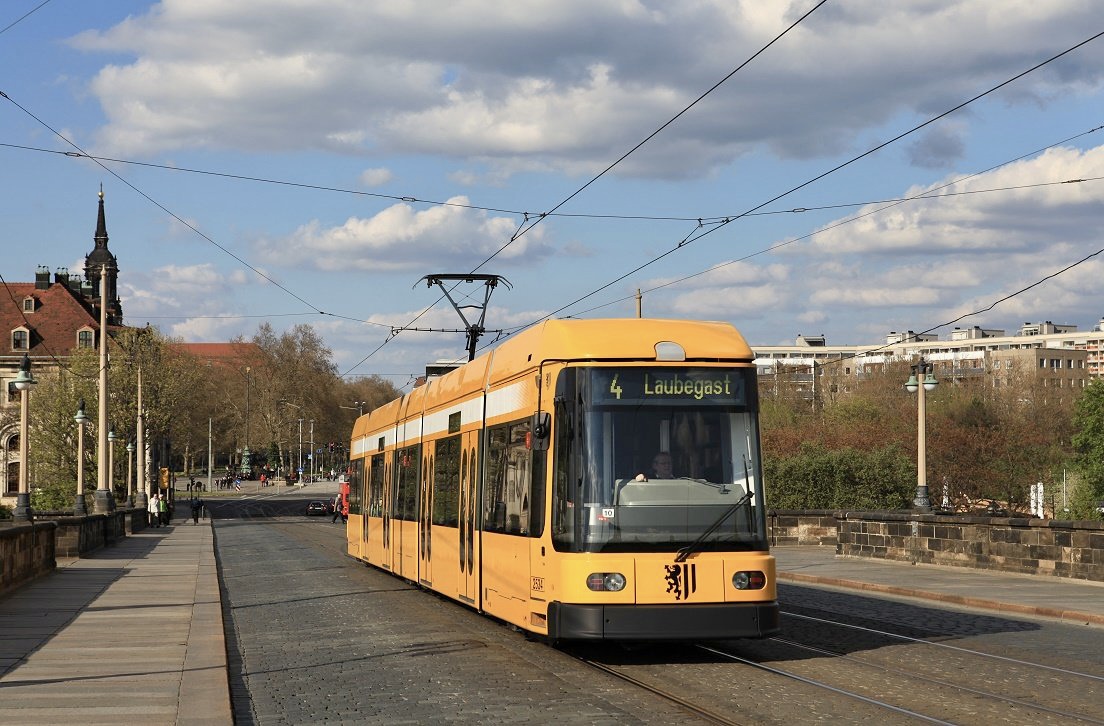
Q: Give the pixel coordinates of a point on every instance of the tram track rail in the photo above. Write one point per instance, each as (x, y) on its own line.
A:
(825, 686)
(708, 715)
(947, 646)
(940, 682)
(958, 693)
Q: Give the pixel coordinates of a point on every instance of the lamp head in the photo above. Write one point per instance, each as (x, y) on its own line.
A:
(911, 384)
(24, 380)
(930, 382)
(111, 435)
(81, 417)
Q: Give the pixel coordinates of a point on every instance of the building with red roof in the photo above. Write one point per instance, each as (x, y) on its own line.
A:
(46, 320)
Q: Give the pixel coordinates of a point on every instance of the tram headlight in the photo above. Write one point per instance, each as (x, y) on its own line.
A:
(749, 580)
(606, 581)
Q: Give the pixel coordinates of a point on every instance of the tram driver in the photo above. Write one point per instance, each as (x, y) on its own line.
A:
(663, 466)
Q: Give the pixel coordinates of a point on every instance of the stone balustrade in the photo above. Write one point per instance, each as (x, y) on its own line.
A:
(1008, 544)
(30, 550)
(26, 552)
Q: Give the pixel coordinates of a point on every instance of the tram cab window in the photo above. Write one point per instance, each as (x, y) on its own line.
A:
(513, 489)
(610, 424)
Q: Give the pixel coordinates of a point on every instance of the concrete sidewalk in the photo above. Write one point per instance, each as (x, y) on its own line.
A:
(130, 635)
(1067, 599)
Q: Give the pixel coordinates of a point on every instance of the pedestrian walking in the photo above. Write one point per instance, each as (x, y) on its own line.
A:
(336, 509)
(163, 510)
(197, 507)
(154, 510)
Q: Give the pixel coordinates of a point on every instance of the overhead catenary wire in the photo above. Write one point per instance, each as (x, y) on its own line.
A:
(929, 194)
(543, 215)
(23, 17)
(704, 220)
(160, 206)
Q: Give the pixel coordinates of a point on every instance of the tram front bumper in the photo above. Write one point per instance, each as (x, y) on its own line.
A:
(717, 621)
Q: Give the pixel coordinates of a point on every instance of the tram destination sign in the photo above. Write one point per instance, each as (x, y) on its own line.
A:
(690, 386)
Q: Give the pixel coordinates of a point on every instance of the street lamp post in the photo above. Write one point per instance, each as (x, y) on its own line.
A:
(79, 507)
(920, 382)
(143, 457)
(23, 383)
(130, 473)
(299, 470)
(104, 500)
(298, 408)
(111, 439)
(246, 462)
(312, 450)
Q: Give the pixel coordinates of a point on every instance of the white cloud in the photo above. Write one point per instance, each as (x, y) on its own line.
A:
(404, 238)
(726, 302)
(874, 296)
(376, 177)
(565, 84)
(1020, 213)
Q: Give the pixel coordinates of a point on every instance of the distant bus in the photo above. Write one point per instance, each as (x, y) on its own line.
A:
(522, 484)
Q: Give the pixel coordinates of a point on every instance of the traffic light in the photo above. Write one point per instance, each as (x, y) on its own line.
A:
(331, 447)
(164, 477)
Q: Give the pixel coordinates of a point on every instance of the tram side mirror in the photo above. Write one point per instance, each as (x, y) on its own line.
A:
(541, 428)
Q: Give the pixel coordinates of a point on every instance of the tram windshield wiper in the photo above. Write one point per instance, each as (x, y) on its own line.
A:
(689, 549)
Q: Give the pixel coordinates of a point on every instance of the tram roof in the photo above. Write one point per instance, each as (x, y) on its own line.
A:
(612, 339)
(604, 339)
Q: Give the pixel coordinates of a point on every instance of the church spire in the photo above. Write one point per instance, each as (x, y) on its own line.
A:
(100, 261)
(101, 224)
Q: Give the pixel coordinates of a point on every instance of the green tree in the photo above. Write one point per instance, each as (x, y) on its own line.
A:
(1088, 441)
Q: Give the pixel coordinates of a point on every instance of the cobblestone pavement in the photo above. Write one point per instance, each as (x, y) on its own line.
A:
(330, 640)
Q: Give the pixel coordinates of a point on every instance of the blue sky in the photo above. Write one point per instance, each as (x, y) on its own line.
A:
(373, 114)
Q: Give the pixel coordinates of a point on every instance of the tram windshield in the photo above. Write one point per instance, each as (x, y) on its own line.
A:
(660, 458)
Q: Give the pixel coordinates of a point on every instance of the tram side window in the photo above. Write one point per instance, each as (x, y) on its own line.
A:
(509, 477)
(446, 482)
(408, 462)
(356, 484)
(375, 486)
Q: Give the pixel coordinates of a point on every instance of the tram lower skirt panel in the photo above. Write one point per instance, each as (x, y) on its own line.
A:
(662, 622)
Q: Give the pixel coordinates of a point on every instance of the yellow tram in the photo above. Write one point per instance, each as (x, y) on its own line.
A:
(525, 484)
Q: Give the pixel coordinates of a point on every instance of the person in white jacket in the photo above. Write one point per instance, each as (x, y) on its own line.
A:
(155, 510)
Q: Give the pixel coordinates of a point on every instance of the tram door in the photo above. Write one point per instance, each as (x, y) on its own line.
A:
(469, 506)
(403, 525)
(385, 512)
(425, 519)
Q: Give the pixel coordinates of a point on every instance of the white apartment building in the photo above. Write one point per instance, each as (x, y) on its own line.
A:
(1060, 355)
